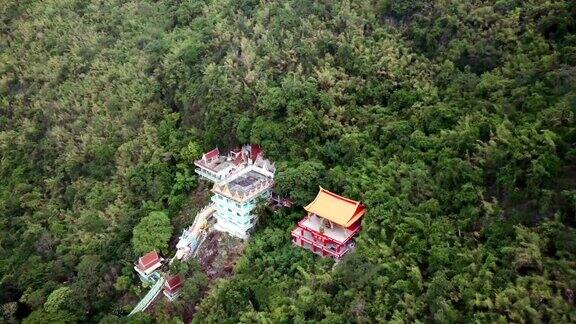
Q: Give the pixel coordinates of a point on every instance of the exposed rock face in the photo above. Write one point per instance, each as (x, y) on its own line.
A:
(218, 254)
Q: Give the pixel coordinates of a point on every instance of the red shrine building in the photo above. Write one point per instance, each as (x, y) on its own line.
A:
(147, 266)
(172, 287)
(330, 226)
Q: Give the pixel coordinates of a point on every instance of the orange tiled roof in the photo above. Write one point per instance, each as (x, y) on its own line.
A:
(335, 208)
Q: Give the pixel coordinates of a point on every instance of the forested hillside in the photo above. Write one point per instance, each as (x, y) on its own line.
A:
(452, 120)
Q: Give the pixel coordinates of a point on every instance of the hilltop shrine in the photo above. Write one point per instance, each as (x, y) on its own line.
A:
(330, 226)
(172, 287)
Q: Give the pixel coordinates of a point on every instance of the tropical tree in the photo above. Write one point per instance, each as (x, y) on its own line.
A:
(152, 233)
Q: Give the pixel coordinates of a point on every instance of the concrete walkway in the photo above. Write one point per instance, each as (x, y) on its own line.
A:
(150, 296)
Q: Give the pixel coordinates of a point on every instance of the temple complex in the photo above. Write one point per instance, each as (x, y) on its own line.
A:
(330, 225)
(241, 178)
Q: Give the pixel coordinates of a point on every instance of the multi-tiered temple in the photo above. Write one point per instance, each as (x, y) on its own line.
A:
(330, 226)
(237, 197)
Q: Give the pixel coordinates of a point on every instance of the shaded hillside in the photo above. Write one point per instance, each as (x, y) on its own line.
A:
(453, 122)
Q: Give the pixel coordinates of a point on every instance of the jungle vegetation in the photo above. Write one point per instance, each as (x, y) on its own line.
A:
(452, 120)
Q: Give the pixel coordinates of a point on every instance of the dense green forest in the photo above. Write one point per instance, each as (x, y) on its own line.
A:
(452, 120)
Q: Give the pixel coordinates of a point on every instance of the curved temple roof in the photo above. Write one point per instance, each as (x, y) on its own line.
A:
(335, 208)
(148, 260)
(212, 154)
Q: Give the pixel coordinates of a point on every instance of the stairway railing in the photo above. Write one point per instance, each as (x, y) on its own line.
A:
(149, 297)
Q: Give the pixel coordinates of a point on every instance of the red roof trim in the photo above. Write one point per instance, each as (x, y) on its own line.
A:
(148, 260)
(173, 283)
(212, 154)
(256, 150)
(354, 228)
(239, 159)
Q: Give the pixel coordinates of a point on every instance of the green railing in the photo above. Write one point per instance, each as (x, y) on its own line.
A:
(150, 296)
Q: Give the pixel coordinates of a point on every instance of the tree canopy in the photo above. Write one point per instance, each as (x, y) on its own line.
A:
(453, 121)
(152, 233)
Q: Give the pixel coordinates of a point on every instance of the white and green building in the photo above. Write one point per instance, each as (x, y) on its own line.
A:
(236, 197)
